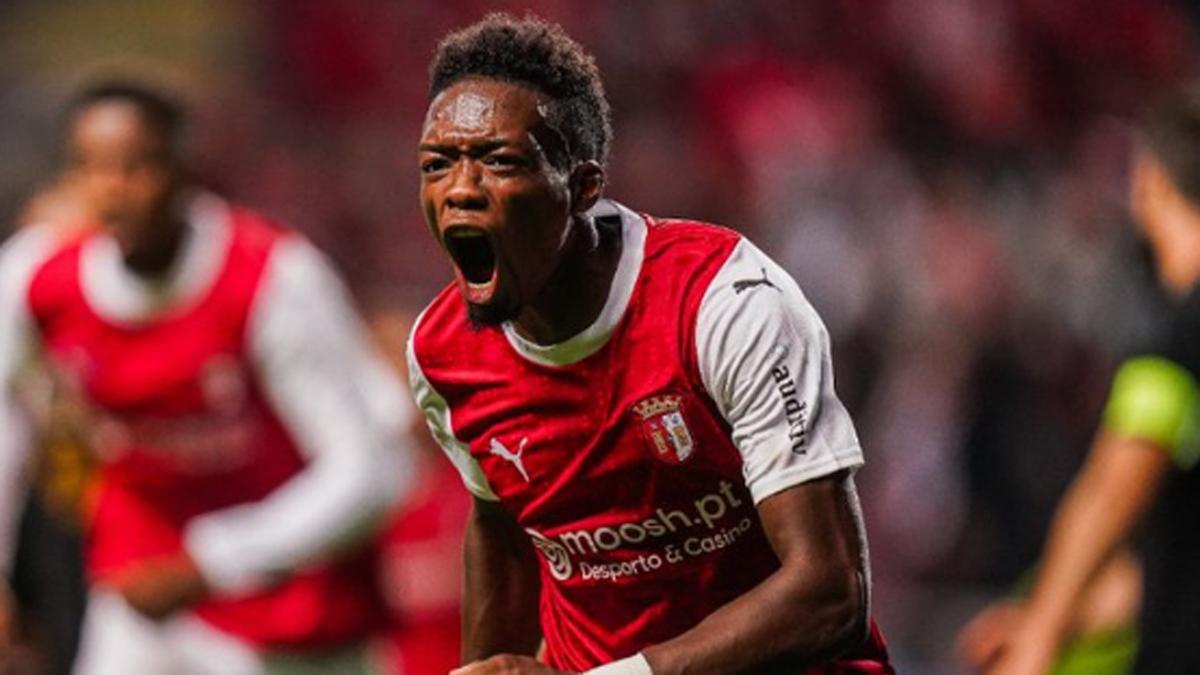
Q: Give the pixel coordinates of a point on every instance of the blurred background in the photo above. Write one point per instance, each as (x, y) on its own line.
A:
(945, 178)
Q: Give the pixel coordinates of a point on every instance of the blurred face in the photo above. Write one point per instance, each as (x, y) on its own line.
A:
(125, 173)
(490, 195)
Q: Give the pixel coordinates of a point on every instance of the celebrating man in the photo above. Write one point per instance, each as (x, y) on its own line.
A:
(643, 409)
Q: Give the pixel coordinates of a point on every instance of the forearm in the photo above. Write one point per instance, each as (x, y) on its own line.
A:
(500, 605)
(1099, 512)
(781, 621)
(327, 507)
(814, 608)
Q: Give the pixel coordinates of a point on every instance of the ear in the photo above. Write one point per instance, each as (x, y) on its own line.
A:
(586, 184)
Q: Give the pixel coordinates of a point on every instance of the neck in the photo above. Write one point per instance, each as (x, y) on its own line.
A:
(576, 293)
(153, 260)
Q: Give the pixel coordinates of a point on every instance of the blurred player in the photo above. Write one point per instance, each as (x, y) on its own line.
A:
(248, 433)
(643, 409)
(1148, 443)
(421, 547)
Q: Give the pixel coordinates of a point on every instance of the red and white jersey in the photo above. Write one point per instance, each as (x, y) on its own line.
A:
(241, 414)
(635, 452)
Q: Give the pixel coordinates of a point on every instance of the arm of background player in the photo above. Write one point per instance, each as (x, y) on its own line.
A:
(500, 598)
(1149, 420)
(18, 259)
(337, 398)
(812, 609)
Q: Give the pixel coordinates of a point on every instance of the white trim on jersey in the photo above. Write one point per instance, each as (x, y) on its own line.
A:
(119, 295)
(590, 339)
(764, 359)
(437, 416)
(19, 259)
(343, 408)
(631, 665)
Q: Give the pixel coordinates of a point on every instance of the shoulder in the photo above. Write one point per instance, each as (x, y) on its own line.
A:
(254, 233)
(688, 241)
(442, 328)
(682, 257)
(42, 262)
(750, 289)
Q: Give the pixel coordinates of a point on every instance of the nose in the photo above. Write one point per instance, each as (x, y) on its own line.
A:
(107, 183)
(466, 190)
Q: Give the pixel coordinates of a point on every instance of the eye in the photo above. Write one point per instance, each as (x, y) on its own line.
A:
(434, 165)
(502, 161)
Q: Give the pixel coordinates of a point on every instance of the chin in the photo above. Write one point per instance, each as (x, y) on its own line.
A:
(491, 315)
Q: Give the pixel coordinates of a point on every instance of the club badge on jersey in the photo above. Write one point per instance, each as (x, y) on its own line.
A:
(665, 427)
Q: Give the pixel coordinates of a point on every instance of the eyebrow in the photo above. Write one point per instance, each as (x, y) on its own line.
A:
(480, 148)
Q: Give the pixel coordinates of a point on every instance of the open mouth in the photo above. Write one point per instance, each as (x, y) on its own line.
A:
(472, 251)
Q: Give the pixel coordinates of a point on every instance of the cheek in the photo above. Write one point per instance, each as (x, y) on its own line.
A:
(150, 190)
(541, 222)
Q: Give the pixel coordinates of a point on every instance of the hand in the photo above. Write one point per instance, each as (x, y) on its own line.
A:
(507, 664)
(159, 587)
(1026, 658)
(984, 638)
(1029, 650)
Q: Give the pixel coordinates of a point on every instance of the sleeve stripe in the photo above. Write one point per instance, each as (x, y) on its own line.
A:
(1155, 399)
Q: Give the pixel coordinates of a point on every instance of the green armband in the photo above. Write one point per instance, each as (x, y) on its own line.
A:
(1155, 399)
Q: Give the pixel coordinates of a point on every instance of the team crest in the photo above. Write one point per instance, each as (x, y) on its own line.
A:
(665, 428)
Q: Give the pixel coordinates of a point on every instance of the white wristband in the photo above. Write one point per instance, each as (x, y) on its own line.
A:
(633, 665)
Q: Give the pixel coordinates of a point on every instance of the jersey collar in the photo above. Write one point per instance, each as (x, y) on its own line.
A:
(591, 339)
(119, 295)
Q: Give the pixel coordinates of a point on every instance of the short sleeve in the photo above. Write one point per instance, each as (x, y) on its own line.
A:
(764, 358)
(437, 415)
(1155, 396)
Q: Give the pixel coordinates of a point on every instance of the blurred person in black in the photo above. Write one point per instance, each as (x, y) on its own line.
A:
(1142, 465)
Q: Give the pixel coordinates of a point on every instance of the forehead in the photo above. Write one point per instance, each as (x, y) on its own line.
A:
(483, 107)
(111, 123)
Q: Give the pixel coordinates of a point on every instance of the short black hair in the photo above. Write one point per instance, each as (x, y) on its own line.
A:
(157, 109)
(1170, 129)
(540, 55)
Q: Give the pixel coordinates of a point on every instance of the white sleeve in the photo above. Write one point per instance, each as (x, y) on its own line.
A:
(344, 408)
(19, 258)
(764, 358)
(437, 415)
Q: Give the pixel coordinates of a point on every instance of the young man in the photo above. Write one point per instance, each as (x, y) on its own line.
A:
(1148, 443)
(248, 433)
(643, 410)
